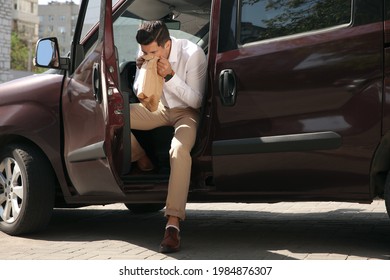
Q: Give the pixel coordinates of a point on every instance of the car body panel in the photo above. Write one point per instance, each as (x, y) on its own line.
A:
(308, 83)
(28, 111)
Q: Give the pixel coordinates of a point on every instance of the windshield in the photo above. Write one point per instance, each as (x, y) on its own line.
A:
(191, 25)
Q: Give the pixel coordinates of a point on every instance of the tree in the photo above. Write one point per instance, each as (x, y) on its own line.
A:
(19, 53)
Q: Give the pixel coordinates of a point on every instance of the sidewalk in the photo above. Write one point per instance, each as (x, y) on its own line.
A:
(305, 231)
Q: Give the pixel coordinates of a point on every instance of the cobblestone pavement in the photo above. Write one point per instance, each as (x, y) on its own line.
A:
(309, 230)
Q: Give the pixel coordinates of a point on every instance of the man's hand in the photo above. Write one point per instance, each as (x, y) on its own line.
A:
(139, 62)
(163, 67)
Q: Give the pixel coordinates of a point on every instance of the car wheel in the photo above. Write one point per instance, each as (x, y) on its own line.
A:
(26, 190)
(144, 208)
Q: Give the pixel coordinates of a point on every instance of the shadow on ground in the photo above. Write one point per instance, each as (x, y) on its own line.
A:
(233, 234)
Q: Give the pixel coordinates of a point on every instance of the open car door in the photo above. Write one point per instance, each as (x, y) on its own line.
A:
(93, 110)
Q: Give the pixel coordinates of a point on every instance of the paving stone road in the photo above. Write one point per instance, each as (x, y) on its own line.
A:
(236, 231)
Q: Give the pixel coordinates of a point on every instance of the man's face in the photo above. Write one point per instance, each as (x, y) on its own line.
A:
(156, 50)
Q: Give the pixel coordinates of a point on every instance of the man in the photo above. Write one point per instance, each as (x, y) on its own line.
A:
(183, 66)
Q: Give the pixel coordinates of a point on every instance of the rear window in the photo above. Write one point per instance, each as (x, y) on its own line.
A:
(267, 19)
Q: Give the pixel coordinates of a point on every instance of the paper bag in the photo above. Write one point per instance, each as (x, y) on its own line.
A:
(150, 83)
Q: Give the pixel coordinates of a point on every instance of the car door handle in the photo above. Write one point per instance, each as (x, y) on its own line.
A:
(227, 87)
(96, 82)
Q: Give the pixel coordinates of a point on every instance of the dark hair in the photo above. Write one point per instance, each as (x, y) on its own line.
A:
(151, 31)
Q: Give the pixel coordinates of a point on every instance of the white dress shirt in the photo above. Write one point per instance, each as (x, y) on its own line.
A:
(186, 88)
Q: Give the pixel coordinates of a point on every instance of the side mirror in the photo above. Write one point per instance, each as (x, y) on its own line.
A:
(47, 53)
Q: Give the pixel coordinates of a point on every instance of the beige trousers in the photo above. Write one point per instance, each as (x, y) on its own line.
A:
(185, 123)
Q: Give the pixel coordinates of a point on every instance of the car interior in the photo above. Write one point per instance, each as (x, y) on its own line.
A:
(185, 19)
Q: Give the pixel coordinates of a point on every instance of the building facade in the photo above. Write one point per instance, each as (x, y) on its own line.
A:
(58, 20)
(25, 20)
(5, 40)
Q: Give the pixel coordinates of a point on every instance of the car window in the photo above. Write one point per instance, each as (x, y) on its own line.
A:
(125, 29)
(267, 19)
(92, 16)
(192, 27)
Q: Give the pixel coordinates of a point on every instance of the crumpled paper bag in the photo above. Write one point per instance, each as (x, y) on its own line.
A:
(150, 83)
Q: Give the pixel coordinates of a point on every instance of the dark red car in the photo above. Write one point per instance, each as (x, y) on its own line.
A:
(297, 108)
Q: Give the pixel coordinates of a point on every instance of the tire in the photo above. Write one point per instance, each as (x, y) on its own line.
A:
(144, 208)
(26, 190)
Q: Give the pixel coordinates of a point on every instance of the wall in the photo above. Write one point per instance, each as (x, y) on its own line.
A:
(5, 40)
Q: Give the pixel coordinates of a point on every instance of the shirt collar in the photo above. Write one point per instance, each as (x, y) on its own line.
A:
(173, 53)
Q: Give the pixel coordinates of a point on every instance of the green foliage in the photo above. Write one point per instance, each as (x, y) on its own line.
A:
(20, 56)
(19, 53)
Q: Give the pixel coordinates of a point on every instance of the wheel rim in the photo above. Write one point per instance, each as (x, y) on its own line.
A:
(11, 190)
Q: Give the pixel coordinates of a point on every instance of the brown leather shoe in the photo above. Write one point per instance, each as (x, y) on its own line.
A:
(171, 241)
